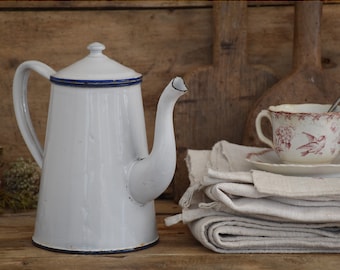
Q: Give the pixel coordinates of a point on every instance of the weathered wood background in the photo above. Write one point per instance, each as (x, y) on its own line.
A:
(160, 39)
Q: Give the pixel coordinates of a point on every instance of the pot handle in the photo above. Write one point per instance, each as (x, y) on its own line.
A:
(21, 105)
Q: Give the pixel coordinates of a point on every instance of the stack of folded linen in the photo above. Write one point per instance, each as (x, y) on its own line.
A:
(232, 208)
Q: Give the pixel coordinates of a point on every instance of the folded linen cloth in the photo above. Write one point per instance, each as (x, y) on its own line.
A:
(232, 208)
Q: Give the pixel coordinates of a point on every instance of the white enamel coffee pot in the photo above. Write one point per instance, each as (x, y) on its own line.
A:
(98, 181)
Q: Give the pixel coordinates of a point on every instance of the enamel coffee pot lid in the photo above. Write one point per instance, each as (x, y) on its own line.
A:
(96, 70)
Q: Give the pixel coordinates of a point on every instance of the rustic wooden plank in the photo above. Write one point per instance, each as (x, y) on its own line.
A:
(163, 207)
(177, 249)
(296, 88)
(224, 90)
(155, 43)
(273, 28)
(136, 4)
(113, 4)
(160, 43)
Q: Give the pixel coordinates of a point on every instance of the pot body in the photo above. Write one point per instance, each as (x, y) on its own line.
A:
(95, 134)
(92, 138)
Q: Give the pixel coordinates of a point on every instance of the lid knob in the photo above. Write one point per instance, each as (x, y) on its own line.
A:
(96, 48)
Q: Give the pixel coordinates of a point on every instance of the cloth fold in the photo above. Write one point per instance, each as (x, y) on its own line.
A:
(231, 207)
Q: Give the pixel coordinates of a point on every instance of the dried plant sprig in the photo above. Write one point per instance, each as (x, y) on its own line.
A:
(20, 185)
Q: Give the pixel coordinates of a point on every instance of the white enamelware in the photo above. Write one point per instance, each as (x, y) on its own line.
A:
(302, 133)
(98, 181)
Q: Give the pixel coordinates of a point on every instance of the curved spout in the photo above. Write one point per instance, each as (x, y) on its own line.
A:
(149, 177)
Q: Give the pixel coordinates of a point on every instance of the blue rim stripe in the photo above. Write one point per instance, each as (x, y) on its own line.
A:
(96, 83)
(153, 243)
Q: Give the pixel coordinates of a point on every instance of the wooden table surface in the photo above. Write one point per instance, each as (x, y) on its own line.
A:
(177, 249)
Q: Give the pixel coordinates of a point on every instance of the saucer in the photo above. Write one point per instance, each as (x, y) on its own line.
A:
(269, 161)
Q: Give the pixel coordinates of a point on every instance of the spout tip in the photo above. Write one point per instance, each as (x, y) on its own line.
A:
(179, 84)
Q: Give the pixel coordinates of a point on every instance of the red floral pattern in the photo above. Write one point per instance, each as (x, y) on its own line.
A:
(283, 137)
(294, 131)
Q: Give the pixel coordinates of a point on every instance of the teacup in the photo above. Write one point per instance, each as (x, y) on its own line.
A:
(302, 133)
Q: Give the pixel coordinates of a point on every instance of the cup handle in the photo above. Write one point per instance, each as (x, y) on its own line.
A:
(258, 125)
(21, 105)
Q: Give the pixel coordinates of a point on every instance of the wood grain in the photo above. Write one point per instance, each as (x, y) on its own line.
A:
(221, 93)
(177, 249)
(307, 83)
(159, 41)
(147, 41)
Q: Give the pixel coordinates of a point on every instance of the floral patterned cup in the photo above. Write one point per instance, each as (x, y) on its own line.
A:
(302, 133)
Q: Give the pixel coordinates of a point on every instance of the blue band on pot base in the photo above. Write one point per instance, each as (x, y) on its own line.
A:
(91, 252)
